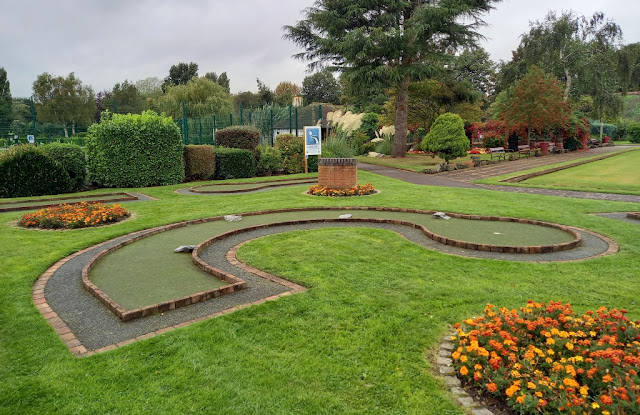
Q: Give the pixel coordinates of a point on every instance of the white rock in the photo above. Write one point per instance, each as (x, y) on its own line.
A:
(345, 216)
(232, 218)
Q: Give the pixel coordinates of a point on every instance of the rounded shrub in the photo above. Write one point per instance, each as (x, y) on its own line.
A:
(29, 171)
(269, 160)
(73, 159)
(447, 137)
(199, 162)
(234, 163)
(238, 137)
(292, 149)
(135, 150)
(633, 132)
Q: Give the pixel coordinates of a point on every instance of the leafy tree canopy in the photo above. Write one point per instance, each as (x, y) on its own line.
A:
(475, 66)
(125, 98)
(222, 80)
(180, 74)
(201, 97)
(391, 42)
(284, 93)
(321, 87)
(265, 93)
(6, 104)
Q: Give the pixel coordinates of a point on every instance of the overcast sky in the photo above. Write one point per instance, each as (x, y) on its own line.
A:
(105, 42)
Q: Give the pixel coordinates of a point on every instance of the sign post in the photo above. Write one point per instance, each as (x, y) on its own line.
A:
(312, 144)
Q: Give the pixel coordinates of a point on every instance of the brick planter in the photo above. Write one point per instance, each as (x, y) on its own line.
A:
(337, 173)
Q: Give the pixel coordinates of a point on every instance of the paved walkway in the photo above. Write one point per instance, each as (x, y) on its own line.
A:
(464, 178)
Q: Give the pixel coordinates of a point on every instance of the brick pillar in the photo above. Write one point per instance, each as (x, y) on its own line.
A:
(337, 173)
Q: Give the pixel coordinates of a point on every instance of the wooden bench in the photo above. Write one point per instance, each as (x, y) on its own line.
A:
(499, 152)
(524, 149)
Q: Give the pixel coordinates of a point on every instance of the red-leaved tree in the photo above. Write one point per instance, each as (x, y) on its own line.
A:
(537, 104)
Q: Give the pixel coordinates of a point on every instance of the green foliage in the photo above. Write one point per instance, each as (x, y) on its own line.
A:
(234, 163)
(285, 92)
(126, 97)
(6, 104)
(180, 74)
(360, 141)
(633, 132)
(199, 162)
(321, 87)
(269, 160)
(135, 150)
(385, 146)
(222, 80)
(27, 171)
(64, 101)
(201, 96)
(292, 149)
(338, 145)
(238, 137)
(447, 138)
(492, 142)
(370, 124)
(73, 159)
(607, 129)
(475, 67)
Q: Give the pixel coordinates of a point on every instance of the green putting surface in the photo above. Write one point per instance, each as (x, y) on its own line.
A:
(37, 204)
(147, 272)
(249, 186)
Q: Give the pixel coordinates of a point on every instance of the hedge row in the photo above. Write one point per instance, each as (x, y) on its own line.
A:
(234, 163)
(199, 162)
(238, 137)
(292, 149)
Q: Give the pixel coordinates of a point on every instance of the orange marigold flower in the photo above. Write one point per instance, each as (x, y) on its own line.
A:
(520, 399)
(464, 371)
(492, 387)
(606, 399)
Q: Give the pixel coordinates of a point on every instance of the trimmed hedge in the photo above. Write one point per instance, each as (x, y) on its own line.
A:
(292, 149)
(29, 171)
(269, 160)
(633, 132)
(73, 159)
(199, 162)
(234, 163)
(135, 150)
(238, 137)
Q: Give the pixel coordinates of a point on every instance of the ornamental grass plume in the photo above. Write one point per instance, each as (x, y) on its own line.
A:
(543, 356)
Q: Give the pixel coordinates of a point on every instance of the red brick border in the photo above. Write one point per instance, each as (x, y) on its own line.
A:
(270, 183)
(77, 349)
(125, 198)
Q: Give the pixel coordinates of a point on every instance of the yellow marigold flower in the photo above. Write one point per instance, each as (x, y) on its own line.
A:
(595, 405)
(538, 394)
(455, 355)
(606, 413)
(511, 390)
(464, 371)
(550, 352)
(520, 399)
(584, 390)
(477, 366)
(548, 360)
(569, 345)
(570, 383)
(463, 358)
(550, 341)
(531, 385)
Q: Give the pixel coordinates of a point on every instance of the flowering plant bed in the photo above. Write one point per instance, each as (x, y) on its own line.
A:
(76, 215)
(359, 190)
(542, 358)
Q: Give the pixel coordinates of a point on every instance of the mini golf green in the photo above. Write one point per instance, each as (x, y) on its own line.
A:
(42, 203)
(247, 187)
(148, 272)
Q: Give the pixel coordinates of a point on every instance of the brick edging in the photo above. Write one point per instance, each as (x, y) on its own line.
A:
(448, 375)
(126, 198)
(269, 183)
(521, 178)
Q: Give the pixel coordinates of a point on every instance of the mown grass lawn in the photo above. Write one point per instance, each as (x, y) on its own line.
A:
(414, 162)
(359, 341)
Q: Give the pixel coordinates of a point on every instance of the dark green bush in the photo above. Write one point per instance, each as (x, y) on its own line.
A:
(238, 137)
(359, 141)
(292, 149)
(572, 144)
(369, 124)
(73, 159)
(199, 162)
(633, 132)
(447, 138)
(29, 171)
(234, 163)
(269, 160)
(135, 150)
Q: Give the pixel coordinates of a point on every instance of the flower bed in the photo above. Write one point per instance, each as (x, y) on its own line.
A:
(542, 358)
(359, 190)
(76, 215)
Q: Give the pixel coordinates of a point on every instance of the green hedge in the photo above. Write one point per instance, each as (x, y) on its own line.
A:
(238, 137)
(73, 159)
(292, 149)
(28, 171)
(269, 160)
(234, 163)
(633, 132)
(199, 162)
(607, 129)
(135, 150)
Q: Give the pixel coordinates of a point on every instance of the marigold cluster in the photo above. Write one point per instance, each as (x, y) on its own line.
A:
(543, 358)
(75, 215)
(359, 190)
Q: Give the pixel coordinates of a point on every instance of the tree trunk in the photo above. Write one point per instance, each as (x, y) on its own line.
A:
(66, 131)
(567, 89)
(601, 128)
(402, 103)
(73, 129)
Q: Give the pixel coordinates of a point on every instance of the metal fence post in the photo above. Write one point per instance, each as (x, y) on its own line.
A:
(33, 115)
(115, 107)
(213, 141)
(296, 121)
(290, 121)
(230, 120)
(200, 137)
